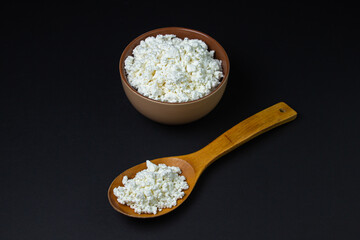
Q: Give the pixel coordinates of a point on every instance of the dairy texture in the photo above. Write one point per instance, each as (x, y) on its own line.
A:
(151, 190)
(169, 69)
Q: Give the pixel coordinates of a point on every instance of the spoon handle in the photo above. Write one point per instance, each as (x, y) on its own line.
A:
(244, 131)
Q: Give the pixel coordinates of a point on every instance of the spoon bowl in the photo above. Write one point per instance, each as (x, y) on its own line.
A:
(187, 170)
(192, 165)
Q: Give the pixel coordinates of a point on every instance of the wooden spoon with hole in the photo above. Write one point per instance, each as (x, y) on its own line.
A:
(192, 165)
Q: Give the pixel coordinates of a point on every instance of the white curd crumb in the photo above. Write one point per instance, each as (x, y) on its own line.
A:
(170, 69)
(151, 190)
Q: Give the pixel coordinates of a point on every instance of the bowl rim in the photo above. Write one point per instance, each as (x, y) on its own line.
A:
(152, 32)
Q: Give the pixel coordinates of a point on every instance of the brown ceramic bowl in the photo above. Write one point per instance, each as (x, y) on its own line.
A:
(176, 113)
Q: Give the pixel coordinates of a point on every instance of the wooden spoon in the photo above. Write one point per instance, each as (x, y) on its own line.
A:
(192, 165)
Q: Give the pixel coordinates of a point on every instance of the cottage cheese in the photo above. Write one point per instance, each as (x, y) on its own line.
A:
(151, 190)
(170, 69)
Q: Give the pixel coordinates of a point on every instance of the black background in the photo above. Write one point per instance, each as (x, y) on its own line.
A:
(67, 128)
